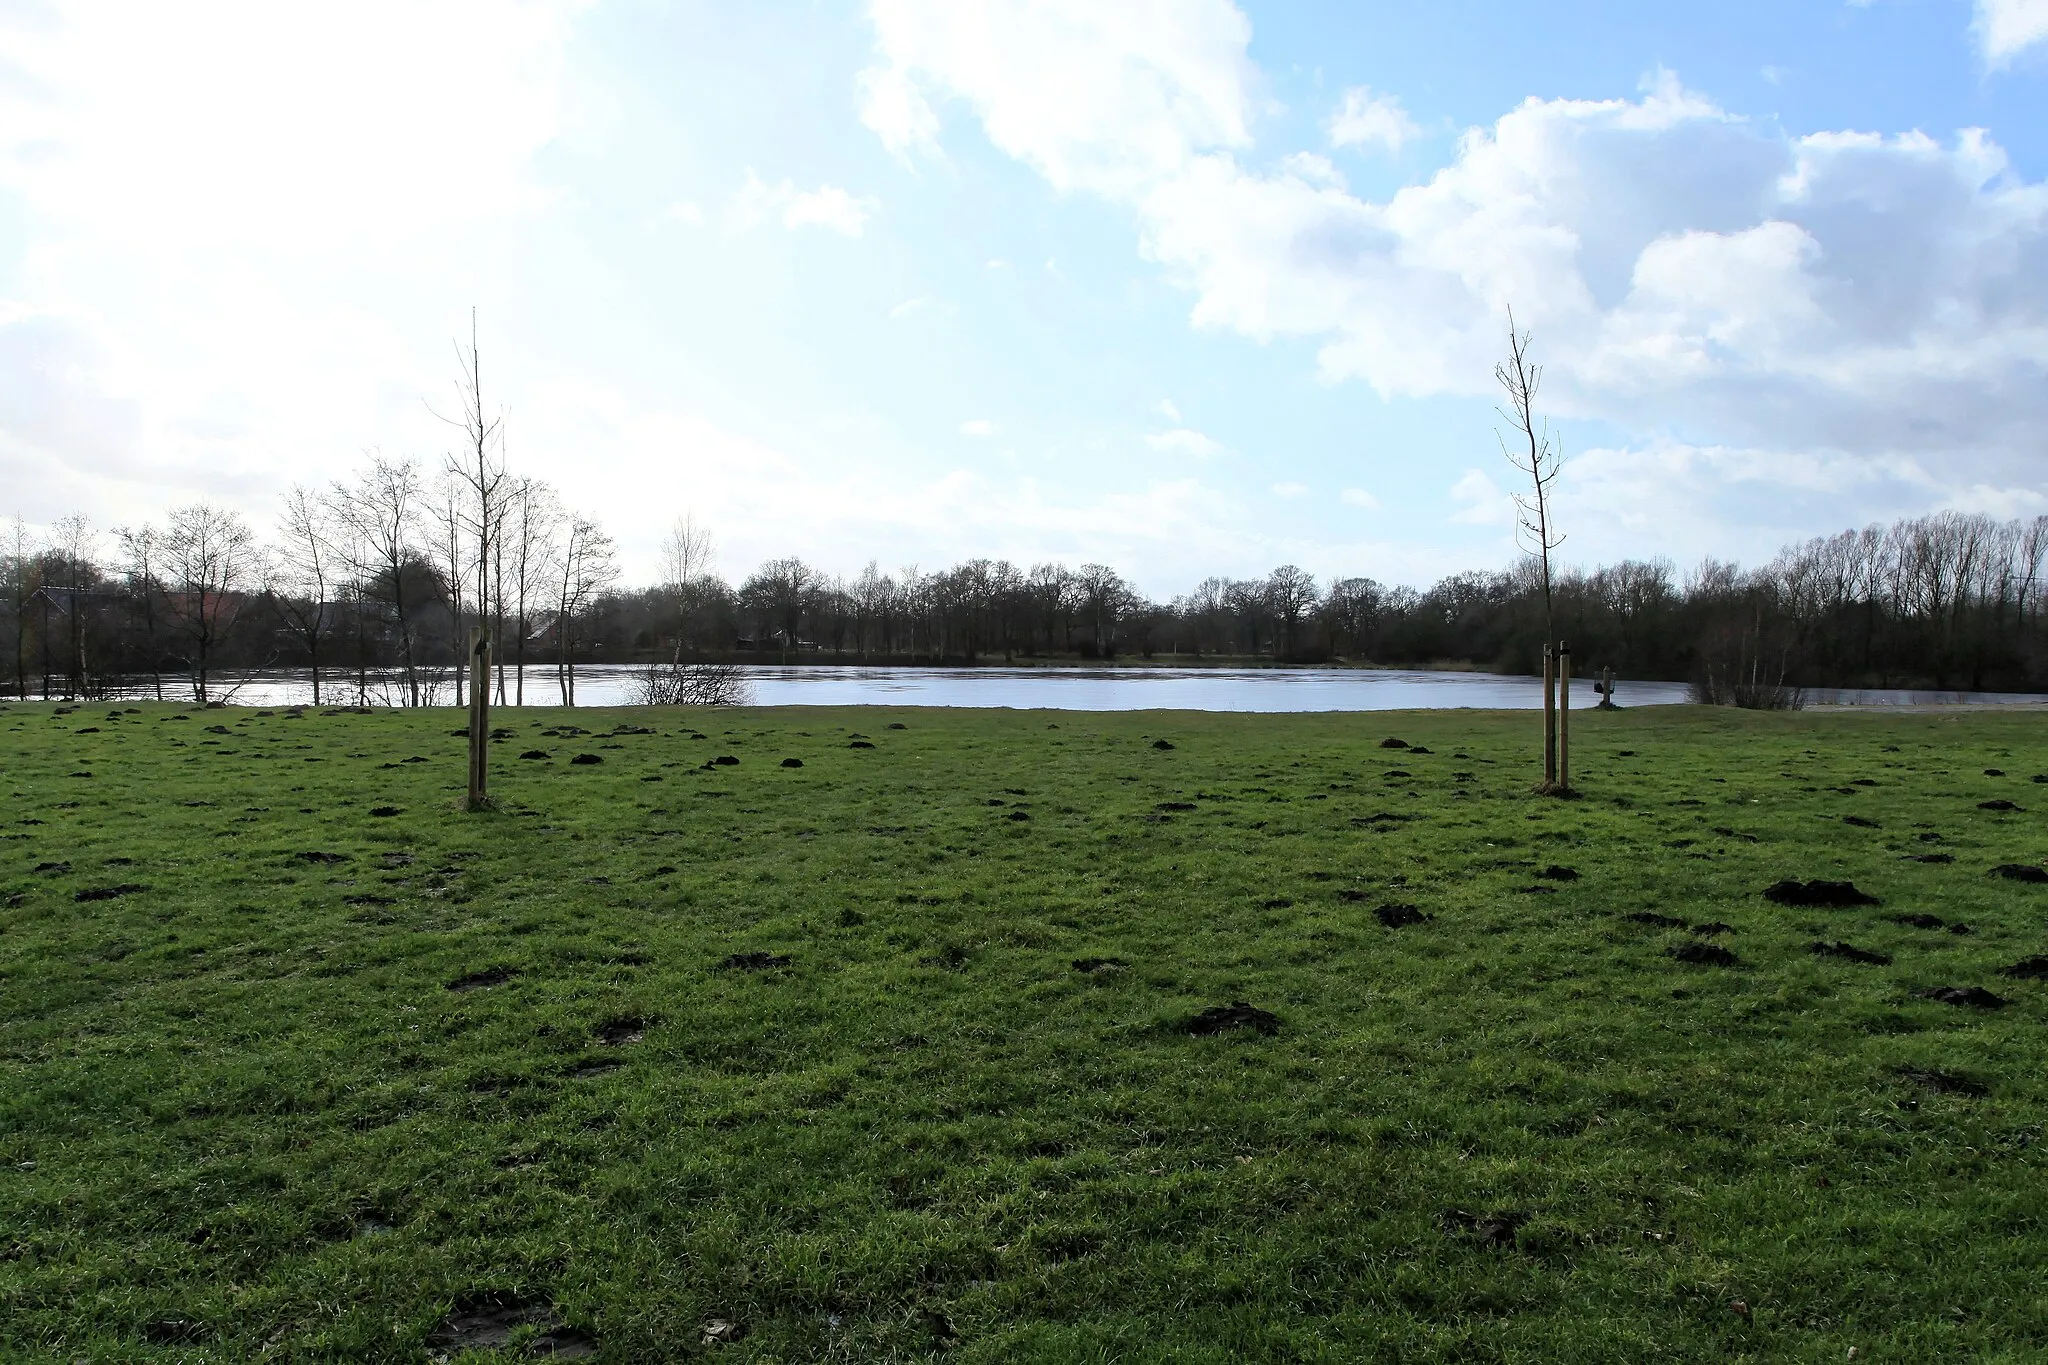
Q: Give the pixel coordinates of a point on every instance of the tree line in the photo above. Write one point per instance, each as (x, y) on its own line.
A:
(374, 582)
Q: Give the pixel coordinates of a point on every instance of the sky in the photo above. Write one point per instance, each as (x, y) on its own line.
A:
(1187, 287)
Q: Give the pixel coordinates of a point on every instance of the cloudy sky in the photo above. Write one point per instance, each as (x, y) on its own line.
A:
(1185, 286)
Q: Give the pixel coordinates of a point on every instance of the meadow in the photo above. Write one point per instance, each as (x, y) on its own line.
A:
(871, 1034)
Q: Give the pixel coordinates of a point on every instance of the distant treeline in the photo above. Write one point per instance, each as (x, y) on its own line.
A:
(375, 582)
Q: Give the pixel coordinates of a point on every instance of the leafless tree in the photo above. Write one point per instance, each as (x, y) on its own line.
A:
(450, 553)
(687, 557)
(381, 510)
(530, 547)
(693, 684)
(22, 581)
(589, 566)
(209, 556)
(1537, 455)
(482, 472)
(142, 549)
(74, 541)
(782, 591)
(302, 574)
(1291, 595)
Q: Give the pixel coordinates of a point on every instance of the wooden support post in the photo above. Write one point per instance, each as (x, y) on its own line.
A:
(479, 717)
(1564, 716)
(1549, 716)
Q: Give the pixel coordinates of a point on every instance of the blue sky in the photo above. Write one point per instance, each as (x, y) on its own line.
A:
(1185, 287)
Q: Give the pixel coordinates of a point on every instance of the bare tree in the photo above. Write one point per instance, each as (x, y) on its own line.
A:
(22, 582)
(589, 566)
(533, 523)
(73, 540)
(381, 510)
(209, 556)
(450, 553)
(302, 573)
(1539, 458)
(481, 470)
(142, 549)
(1290, 595)
(687, 556)
(782, 591)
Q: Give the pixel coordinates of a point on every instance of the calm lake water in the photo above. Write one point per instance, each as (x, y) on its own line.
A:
(1092, 689)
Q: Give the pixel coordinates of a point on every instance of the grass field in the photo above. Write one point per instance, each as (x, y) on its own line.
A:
(286, 1076)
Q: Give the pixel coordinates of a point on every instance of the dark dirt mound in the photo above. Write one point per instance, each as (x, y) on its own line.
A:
(396, 860)
(1175, 805)
(754, 962)
(2020, 872)
(1018, 815)
(1860, 822)
(1976, 997)
(1942, 1082)
(1391, 743)
(218, 730)
(1994, 772)
(1557, 873)
(792, 763)
(315, 856)
(494, 976)
(53, 867)
(1920, 921)
(1092, 966)
(1275, 903)
(1851, 952)
(619, 1032)
(1863, 782)
(1713, 929)
(861, 744)
(385, 812)
(898, 725)
(1654, 920)
(1932, 857)
(107, 893)
(1397, 916)
(1162, 744)
(1397, 772)
(535, 753)
(585, 760)
(1704, 955)
(489, 1322)
(1821, 894)
(725, 761)
(1487, 1229)
(1237, 1014)
(414, 759)
(1624, 753)
(2028, 969)
(1930, 837)
(2000, 804)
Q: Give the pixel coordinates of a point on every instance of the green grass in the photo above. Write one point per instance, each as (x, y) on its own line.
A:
(243, 1116)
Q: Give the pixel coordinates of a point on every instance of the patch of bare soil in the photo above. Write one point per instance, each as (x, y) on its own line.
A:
(1975, 997)
(491, 1322)
(1396, 916)
(1486, 1229)
(1704, 955)
(585, 760)
(1817, 894)
(754, 962)
(1237, 1014)
(621, 1031)
(1942, 1082)
(2028, 969)
(107, 893)
(2020, 872)
(1999, 804)
(1558, 873)
(494, 976)
(315, 856)
(1849, 952)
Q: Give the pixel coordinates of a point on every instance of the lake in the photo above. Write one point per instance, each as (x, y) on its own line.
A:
(1095, 689)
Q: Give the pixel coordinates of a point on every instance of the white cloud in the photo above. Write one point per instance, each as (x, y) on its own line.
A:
(1184, 441)
(1368, 120)
(1289, 490)
(2006, 28)
(1094, 96)
(1486, 503)
(1165, 408)
(1358, 497)
(757, 202)
(1681, 267)
(978, 426)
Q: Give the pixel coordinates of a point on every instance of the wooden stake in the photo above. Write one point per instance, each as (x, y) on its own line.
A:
(1549, 717)
(1564, 716)
(479, 717)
